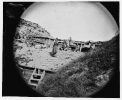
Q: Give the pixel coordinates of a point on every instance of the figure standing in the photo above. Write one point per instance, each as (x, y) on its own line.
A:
(55, 47)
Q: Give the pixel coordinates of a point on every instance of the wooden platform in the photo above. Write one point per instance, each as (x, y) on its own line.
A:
(43, 60)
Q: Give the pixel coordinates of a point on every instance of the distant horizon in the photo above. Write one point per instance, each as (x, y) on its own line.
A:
(81, 21)
(63, 38)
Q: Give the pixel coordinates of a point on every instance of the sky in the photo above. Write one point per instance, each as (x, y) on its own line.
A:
(81, 21)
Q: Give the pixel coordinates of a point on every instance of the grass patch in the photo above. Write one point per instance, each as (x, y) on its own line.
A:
(79, 78)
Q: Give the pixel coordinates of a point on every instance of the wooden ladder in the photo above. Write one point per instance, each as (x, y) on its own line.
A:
(36, 77)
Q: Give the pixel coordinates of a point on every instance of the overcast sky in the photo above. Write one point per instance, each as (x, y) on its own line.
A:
(81, 21)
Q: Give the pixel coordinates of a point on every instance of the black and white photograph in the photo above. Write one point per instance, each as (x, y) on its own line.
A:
(68, 49)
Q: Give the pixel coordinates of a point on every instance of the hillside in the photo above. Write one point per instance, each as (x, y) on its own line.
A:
(84, 76)
(28, 30)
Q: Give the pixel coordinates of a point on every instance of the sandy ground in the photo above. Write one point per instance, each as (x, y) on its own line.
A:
(41, 58)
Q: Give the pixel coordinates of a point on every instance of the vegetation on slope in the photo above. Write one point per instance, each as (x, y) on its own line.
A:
(85, 76)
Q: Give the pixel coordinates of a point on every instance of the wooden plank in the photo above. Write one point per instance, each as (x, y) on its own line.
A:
(42, 77)
(29, 82)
